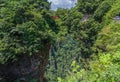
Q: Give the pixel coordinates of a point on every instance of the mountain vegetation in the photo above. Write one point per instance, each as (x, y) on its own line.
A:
(80, 44)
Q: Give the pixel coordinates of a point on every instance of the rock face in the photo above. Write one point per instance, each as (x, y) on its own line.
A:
(85, 17)
(26, 67)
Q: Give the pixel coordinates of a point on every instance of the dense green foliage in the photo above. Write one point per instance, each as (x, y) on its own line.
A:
(102, 9)
(104, 69)
(88, 6)
(24, 28)
(84, 40)
(104, 63)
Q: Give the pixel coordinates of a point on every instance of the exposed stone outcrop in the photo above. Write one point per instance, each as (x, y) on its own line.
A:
(26, 67)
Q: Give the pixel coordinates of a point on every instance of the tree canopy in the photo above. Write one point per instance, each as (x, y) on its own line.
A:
(24, 28)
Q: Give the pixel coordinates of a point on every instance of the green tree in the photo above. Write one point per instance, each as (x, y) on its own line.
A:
(88, 6)
(26, 28)
(102, 9)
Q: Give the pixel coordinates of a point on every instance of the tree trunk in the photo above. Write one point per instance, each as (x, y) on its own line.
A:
(44, 55)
